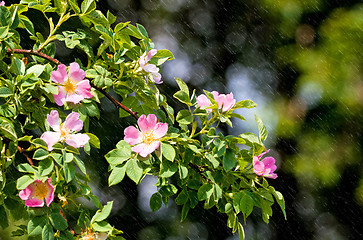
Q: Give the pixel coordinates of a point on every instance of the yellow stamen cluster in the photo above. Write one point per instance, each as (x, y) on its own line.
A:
(40, 190)
(148, 137)
(70, 86)
(64, 131)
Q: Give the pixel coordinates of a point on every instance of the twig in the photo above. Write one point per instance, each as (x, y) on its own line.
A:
(22, 150)
(56, 62)
(35, 53)
(114, 101)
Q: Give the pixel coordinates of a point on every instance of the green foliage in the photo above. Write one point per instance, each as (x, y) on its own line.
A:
(194, 162)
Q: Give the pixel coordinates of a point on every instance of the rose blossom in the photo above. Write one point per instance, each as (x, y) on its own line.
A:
(150, 68)
(147, 140)
(72, 86)
(265, 167)
(64, 131)
(225, 102)
(35, 193)
(2, 3)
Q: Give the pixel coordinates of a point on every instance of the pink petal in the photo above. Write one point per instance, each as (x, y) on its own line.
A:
(144, 149)
(75, 72)
(228, 102)
(60, 98)
(84, 89)
(160, 130)
(34, 202)
(50, 138)
(259, 156)
(53, 120)
(2, 3)
(269, 162)
(27, 192)
(151, 53)
(157, 78)
(60, 75)
(74, 98)
(77, 140)
(142, 61)
(50, 195)
(147, 123)
(273, 176)
(151, 68)
(132, 135)
(203, 101)
(73, 123)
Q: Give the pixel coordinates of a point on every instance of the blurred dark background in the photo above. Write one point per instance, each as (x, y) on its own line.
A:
(300, 61)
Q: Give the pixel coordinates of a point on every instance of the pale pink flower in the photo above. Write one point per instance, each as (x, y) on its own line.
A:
(149, 67)
(35, 193)
(225, 102)
(72, 86)
(147, 140)
(64, 131)
(94, 236)
(2, 3)
(265, 167)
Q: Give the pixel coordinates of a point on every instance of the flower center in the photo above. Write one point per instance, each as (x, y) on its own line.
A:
(64, 132)
(40, 190)
(70, 86)
(148, 137)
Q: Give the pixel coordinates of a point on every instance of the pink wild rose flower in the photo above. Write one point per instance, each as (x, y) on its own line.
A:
(2, 3)
(73, 88)
(64, 131)
(150, 68)
(225, 102)
(147, 139)
(35, 193)
(265, 167)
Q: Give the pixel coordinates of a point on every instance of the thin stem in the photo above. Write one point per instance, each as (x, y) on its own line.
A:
(22, 150)
(35, 53)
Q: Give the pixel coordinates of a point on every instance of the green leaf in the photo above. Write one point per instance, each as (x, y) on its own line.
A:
(69, 171)
(247, 202)
(261, 129)
(102, 226)
(183, 171)
(168, 169)
(244, 104)
(25, 167)
(24, 181)
(67, 157)
(241, 231)
(168, 151)
(37, 70)
(46, 167)
(47, 232)
(182, 198)
(58, 221)
(184, 117)
(279, 199)
(205, 192)
(168, 190)
(40, 154)
(185, 211)
(117, 175)
(134, 170)
(155, 202)
(80, 165)
(5, 92)
(35, 225)
(94, 141)
(182, 97)
(161, 56)
(182, 85)
(4, 222)
(119, 155)
(7, 129)
(142, 30)
(103, 214)
(88, 6)
(212, 159)
(229, 160)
